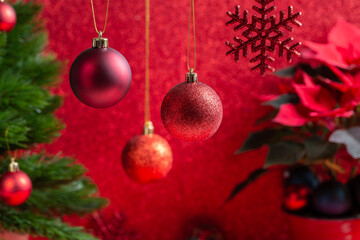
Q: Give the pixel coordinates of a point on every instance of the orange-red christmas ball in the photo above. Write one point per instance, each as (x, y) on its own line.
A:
(296, 197)
(15, 188)
(100, 76)
(147, 158)
(7, 17)
(191, 111)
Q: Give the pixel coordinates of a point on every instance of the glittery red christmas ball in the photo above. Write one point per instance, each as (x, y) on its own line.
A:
(100, 77)
(7, 17)
(147, 158)
(15, 188)
(296, 197)
(191, 111)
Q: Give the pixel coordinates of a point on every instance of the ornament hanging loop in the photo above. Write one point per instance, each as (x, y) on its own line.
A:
(13, 166)
(148, 128)
(191, 77)
(191, 16)
(94, 18)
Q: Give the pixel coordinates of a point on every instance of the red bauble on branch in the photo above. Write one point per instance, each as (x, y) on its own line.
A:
(100, 76)
(147, 157)
(7, 17)
(191, 111)
(15, 186)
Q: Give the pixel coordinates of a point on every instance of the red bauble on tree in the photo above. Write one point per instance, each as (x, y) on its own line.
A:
(191, 111)
(147, 157)
(100, 76)
(15, 186)
(7, 17)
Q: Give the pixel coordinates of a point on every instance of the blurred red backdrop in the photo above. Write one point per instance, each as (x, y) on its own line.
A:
(203, 173)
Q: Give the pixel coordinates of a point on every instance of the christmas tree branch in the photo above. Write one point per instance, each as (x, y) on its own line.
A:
(27, 222)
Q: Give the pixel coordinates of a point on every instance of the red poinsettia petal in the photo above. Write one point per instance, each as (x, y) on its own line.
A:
(339, 112)
(291, 115)
(339, 86)
(347, 79)
(315, 98)
(327, 53)
(343, 34)
(308, 80)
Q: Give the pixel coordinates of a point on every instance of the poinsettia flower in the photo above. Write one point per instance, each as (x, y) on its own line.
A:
(342, 49)
(319, 100)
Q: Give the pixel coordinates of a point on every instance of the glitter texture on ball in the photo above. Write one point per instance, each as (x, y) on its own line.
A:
(147, 158)
(191, 111)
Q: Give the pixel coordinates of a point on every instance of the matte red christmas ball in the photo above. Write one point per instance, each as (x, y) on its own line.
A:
(191, 111)
(100, 76)
(296, 197)
(147, 158)
(7, 17)
(15, 188)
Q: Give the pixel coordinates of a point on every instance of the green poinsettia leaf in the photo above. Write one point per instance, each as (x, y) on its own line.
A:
(260, 138)
(286, 72)
(283, 99)
(251, 178)
(350, 137)
(284, 152)
(267, 117)
(317, 148)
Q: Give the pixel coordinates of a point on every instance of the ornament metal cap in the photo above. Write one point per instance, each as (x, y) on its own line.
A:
(100, 42)
(191, 77)
(13, 166)
(148, 128)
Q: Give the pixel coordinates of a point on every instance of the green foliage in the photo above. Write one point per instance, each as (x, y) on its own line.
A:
(267, 136)
(318, 148)
(282, 99)
(26, 104)
(37, 225)
(251, 178)
(27, 118)
(284, 152)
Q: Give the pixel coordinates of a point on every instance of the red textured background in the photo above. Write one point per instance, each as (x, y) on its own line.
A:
(203, 173)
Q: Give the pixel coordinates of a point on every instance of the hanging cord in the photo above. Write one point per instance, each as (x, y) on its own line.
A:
(106, 17)
(191, 15)
(14, 166)
(147, 61)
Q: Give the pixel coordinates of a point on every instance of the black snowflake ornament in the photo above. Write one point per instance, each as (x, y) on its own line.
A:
(263, 35)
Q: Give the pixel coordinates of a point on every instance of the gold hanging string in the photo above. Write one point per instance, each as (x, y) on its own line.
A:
(8, 145)
(191, 15)
(106, 16)
(147, 61)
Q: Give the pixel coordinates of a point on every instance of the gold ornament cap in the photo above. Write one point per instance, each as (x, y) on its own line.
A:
(13, 166)
(100, 42)
(148, 128)
(191, 77)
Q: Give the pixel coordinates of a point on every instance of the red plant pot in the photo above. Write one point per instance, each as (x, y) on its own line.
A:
(13, 236)
(304, 228)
